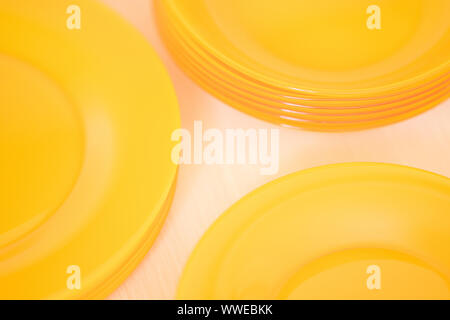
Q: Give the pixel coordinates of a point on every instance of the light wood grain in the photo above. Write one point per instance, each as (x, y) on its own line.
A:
(205, 192)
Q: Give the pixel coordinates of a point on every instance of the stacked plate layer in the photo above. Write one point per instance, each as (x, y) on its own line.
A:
(86, 180)
(320, 65)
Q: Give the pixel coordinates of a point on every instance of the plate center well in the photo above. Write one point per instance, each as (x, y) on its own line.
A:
(367, 274)
(41, 147)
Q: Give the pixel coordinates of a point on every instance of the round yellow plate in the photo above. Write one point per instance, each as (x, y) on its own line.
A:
(323, 47)
(347, 231)
(176, 41)
(86, 177)
(333, 123)
(184, 41)
(430, 97)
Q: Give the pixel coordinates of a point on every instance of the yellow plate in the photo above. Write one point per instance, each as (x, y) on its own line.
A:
(347, 231)
(86, 177)
(216, 85)
(323, 47)
(331, 123)
(186, 45)
(292, 105)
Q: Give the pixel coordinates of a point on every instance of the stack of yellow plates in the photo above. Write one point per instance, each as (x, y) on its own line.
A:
(348, 231)
(320, 65)
(86, 177)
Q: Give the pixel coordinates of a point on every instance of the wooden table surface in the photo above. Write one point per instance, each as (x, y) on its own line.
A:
(205, 192)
